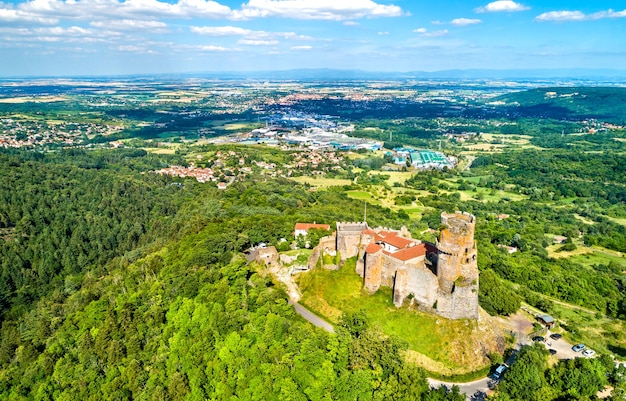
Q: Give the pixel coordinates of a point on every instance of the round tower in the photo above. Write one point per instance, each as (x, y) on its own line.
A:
(457, 250)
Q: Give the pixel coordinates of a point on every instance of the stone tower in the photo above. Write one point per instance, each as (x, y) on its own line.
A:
(457, 268)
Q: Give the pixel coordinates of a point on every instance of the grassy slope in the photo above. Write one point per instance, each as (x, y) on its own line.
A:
(447, 347)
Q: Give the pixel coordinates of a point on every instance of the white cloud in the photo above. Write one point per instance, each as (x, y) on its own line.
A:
(336, 10)
(502, 5)
(132, 25)
(249, 37)
(351, 23)
(253, 42)
(464, 21)
(187, 48)
(221, 30)
(51, 11)
(131, 48)
(383, 33)
(561, 16)
(301, 48)
(218, 49)
(609, 14)
(8, 15)
(58, 34)
(430, 34)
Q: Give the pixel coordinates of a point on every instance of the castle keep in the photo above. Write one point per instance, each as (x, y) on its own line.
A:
(441, 278)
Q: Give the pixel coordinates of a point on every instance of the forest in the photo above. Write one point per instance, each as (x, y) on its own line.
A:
(143, 295)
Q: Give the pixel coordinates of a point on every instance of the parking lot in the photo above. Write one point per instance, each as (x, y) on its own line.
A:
(562, 347)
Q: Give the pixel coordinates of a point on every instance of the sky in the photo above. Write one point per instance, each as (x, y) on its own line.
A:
(113, 37)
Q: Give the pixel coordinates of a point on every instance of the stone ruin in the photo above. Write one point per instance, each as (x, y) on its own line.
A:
(440, 278)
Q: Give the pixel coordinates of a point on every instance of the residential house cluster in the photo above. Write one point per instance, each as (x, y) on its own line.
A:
(19, 133)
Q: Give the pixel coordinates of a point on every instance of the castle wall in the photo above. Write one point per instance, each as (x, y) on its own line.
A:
(326, 246)
(418, 281)
(348, 241)
(372, 276)
(461, 304)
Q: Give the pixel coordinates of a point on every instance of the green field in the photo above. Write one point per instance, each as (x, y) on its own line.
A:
(361, 195)
(599, 258)
(617, 220)
(322, 182)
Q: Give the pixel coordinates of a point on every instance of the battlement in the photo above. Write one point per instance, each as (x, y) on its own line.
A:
(352, 226)
(458, 215)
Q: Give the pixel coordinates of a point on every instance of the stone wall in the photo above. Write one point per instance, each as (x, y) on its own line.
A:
(418, 284)
(326, 246)
(372, 272)
(349, 239)
(267, 256)
(461, 304)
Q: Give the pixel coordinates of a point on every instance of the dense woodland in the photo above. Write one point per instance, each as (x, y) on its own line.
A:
(142, 294)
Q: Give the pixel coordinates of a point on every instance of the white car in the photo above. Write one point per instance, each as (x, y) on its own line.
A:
(589, 353)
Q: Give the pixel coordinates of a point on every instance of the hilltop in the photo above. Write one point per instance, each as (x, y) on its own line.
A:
(579, 103)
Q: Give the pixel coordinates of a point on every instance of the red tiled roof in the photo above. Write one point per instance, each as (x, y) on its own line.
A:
(397, 241)
(308, 226)
(410, 253)
(373, 248)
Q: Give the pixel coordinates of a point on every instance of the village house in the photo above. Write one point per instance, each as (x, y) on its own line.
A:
(302, 229)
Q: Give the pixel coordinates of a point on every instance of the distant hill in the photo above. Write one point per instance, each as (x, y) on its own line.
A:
(538, 76)
(607, 104)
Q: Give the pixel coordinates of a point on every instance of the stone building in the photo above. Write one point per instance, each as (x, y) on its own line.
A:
(441, 278)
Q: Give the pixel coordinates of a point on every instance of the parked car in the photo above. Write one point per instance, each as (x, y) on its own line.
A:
(499, 371)
(539, 339)
(555, 336)
(578, 347)
(589, 353)
(552, 351)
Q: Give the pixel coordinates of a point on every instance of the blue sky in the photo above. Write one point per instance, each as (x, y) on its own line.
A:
(96, 37)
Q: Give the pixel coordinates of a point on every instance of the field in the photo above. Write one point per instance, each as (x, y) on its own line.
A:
(617, 220)
(498, 143)
(445, 347)
(319, 182)
(33, 99)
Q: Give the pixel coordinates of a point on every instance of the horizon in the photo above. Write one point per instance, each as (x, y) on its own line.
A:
(147, 37)
(534, 75)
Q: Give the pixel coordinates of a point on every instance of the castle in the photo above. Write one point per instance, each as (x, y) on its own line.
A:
(440, 278)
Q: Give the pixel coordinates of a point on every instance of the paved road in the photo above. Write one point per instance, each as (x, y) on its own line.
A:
(469, 389)
(311, 317)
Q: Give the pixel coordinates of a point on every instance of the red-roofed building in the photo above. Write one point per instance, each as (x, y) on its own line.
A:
(303, 228)
(373, 248)
(408, 254)
(393, 242)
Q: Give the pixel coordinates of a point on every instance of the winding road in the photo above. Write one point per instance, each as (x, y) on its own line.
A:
(471, 388)
(312, 317)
